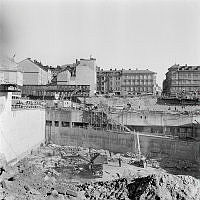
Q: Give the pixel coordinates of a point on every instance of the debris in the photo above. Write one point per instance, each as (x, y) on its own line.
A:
(164, 186)
(47, 174)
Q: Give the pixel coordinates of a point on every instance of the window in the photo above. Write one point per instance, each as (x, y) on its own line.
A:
(149, 77)
(56, 123)
(48, 123)
(65, 124)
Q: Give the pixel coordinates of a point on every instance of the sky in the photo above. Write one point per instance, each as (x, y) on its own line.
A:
(143, 34)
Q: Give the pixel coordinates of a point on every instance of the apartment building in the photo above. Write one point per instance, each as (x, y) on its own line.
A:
(86, 74)
(182, 80)
(138, 81)
(126, 81)
(109, 81)
(83, 72)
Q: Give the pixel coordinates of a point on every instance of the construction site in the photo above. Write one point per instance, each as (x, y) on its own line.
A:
(99, 100)
(101, 148)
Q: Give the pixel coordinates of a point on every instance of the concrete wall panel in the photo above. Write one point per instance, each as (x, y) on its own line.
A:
(151, 146)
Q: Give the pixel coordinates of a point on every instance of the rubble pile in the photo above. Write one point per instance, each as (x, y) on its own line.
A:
(48, 174)
(156, 186)
(164, 186)
(35, 177)
(116, 189)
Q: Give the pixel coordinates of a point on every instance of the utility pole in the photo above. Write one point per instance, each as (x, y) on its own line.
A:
(102, 120)
(138, 144)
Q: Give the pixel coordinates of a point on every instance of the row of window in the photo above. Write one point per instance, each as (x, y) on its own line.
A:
(190, 75)
(138, 76)
(186, 82)
(57, 123)
(187, 89)
(138, 89)
(131, 77)
(137, 83)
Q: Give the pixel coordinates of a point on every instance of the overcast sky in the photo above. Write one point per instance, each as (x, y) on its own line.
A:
(141, 34)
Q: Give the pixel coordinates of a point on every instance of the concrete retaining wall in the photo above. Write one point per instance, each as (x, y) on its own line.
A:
(96, 139)
(170, 148)
(153, 146)
(148, 118)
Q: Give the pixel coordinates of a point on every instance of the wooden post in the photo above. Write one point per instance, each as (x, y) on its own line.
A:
(138, 144)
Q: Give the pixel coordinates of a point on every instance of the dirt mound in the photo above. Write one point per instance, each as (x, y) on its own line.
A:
(164, 186)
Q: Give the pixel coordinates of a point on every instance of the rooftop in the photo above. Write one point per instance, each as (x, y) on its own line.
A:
(138, 71)
(184, 67)
(124, 71)
(39, 64)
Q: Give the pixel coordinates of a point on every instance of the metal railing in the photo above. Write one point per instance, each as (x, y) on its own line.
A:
(18, 106)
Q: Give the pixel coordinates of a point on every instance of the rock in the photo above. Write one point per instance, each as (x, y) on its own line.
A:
(33, 191)
(164, 186)
(71, 192)
(54, 193)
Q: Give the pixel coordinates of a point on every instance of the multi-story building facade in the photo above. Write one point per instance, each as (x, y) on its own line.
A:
(83, 72)
(139, 81)
(109, 81)
(34, 73)
(126, 81)
(86, 74)
(182, 80)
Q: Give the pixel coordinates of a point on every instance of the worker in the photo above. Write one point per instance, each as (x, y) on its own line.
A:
(144, 163)
(120, 162)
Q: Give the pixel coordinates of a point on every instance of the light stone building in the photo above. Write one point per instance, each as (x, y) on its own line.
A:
(126, 81)
(182, 79)
(34, 73)
(86, 74)
(82, 72)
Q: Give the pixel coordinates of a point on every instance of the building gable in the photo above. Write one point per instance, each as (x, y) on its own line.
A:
(27, 66)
